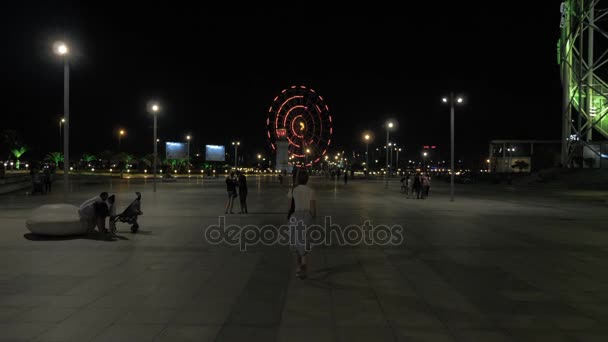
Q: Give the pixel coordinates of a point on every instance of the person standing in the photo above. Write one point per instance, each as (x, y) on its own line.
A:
(345, 176)
(417, 186)
(242, 183)
(304, 213)
(231, 189)
(426, 185)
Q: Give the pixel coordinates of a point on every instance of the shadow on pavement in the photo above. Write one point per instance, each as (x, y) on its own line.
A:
(36, 237)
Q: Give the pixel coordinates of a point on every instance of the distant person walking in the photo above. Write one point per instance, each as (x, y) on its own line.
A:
(302, 197)
(426, 185)
(345, 176)
(417, 186)
(242, 183)
(47, 179)
(231, 189)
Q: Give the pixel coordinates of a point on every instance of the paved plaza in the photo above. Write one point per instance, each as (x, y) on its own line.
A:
(498, 264)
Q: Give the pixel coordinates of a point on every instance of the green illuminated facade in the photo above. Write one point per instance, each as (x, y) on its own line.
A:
(583, 59)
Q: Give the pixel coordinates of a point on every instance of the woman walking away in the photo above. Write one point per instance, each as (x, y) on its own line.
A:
(304, 213)
(231, 188)
(426, 185)
(242, 181)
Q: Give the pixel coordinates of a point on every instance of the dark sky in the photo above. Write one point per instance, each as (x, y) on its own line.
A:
(216, 75)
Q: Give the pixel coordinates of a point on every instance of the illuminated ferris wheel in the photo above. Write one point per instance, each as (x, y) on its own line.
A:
(299, 117)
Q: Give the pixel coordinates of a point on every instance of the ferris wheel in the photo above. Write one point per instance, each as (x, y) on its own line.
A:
(300, 117)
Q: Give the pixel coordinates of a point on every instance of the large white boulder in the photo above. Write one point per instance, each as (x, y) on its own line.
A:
(55, 219)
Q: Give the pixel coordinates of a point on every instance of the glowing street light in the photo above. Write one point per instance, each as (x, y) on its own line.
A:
(235, 144)
(451, 100)
(61, 49)
(61, 122)
(390, 125)
(154, 109)
(188, 137)
(367, 137)
(121, 133)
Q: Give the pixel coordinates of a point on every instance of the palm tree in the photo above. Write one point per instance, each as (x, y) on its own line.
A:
(55, 157)
(18, 152)
(146, 160)
(87, 159)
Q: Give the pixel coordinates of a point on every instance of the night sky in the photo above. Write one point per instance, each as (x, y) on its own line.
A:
(216, 75)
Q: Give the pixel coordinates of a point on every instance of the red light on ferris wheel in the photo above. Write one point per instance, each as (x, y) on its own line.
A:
(281, 132)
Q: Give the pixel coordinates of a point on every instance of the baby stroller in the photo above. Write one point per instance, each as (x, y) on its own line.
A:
(129, 215)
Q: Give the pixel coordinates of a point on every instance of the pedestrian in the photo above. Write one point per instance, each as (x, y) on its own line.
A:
(47, 179)
(92, 213)
(304, 211)
(345, 176)
(242, 183)
(426, 185)
(417, 186)
(231, 189)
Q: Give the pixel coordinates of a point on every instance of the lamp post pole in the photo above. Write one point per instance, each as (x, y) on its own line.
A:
(452, 146)
(155, 153)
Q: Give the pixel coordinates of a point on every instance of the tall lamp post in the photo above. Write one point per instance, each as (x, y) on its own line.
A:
(61, 49)
(389, 126)
(154, 108)
(397, 150)
(235, 144)
(424, 155)
(367, 137)
(188, 137)
(121, 133)
(61, 122)
(452, 100)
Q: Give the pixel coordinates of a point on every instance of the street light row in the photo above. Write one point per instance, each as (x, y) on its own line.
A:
(391, 125)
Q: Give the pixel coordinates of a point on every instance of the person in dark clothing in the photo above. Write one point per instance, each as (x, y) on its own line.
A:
(417, 186)
(242, 183)
(231, 189)
(47, 180)
(345, 176)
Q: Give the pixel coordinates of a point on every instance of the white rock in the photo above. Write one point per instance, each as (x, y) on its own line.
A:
(55, 219)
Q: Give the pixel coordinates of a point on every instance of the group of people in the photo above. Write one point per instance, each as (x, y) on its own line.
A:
(416, 186)
(93, 213)
(42, 180)
(236, 181)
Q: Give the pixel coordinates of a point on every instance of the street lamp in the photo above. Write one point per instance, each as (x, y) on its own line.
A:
(389, 127)
(367, 137)
(61, 49)
(188, 137)
(397, 164)
(121, 133)
(451, 100)
(61, 122)
(424, 155)
(235, 144)
(154, 109)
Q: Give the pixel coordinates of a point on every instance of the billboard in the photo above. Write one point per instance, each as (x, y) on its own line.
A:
(176, 150)
(282, 155)
(215, 153)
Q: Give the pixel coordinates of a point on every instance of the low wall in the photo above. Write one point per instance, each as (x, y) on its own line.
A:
(16, 182)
